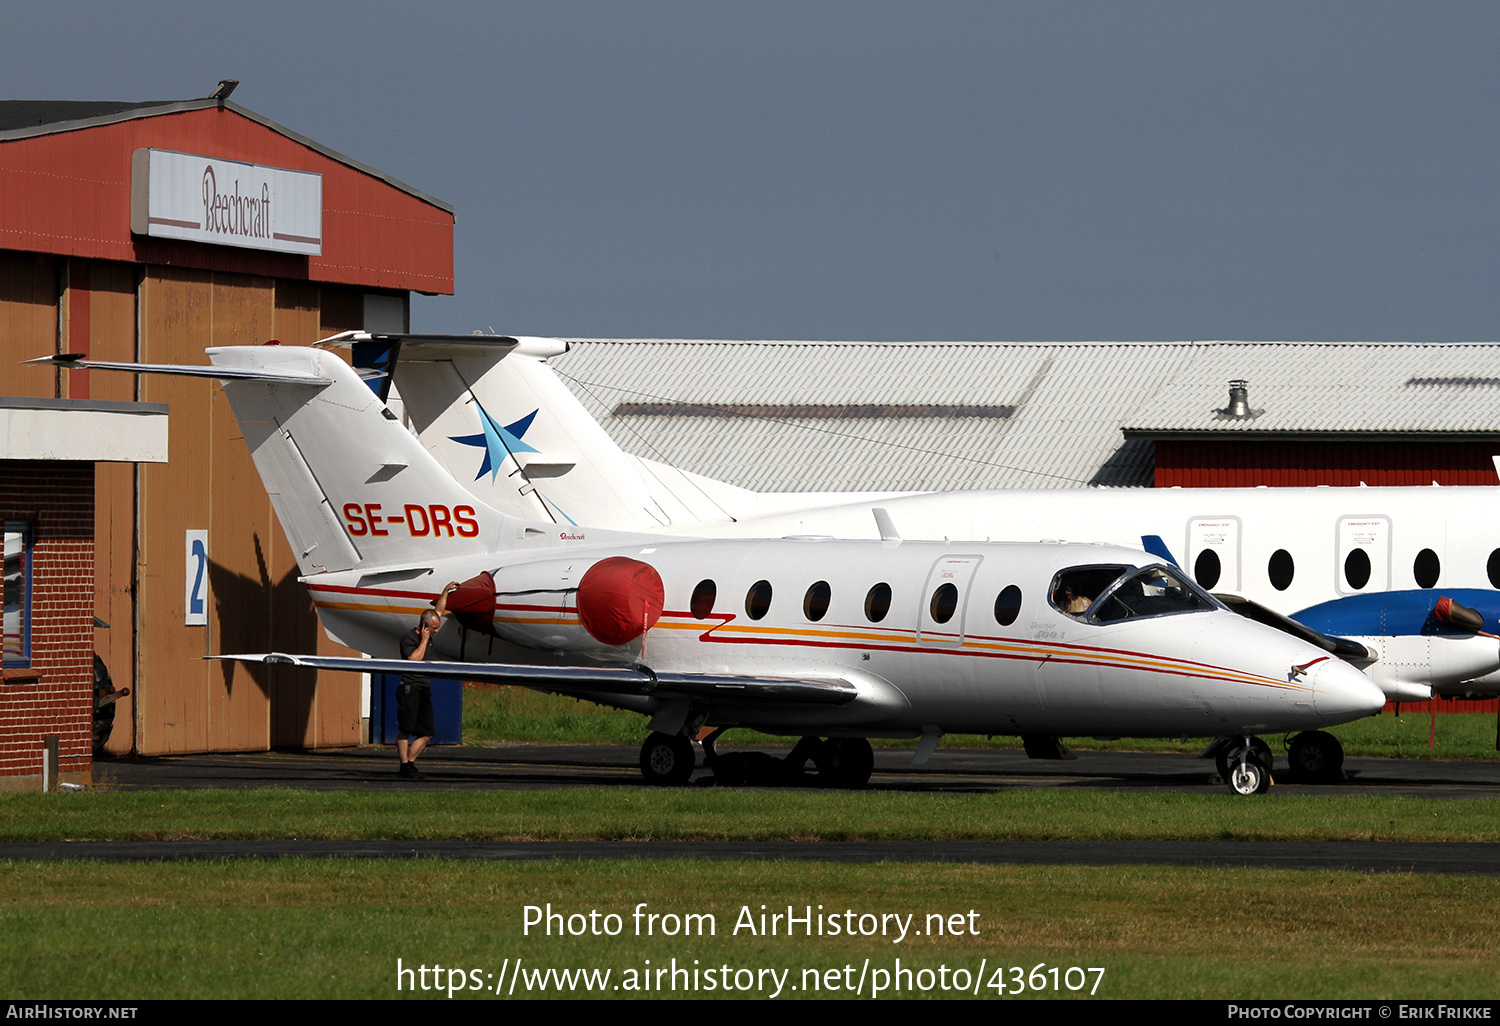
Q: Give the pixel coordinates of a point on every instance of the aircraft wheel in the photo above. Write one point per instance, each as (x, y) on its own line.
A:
(1316, 757)
(1250, 774)
(667, 759)
(1229, 755)
(104, 715)
(845, 761)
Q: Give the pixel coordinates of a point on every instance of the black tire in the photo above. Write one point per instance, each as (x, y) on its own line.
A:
(1316, 757)
(1250, 774)
(1230, 752)
(667, 760)
(845, 762)
(104, 715)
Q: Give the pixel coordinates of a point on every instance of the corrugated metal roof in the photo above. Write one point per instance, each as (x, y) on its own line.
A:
(1389, 387)
(1071, 401)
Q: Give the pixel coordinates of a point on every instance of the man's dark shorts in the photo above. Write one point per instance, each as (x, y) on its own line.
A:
(414, 710)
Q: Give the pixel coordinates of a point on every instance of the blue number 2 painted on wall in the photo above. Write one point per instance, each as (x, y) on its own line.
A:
(196, 606)
(195, 601)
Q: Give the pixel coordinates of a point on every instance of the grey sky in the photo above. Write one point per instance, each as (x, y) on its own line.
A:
(880, 170)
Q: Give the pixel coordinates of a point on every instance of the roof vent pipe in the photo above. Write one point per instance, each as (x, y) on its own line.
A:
(1239, 399)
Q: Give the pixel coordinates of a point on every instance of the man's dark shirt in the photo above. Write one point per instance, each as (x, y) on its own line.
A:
(409, 644)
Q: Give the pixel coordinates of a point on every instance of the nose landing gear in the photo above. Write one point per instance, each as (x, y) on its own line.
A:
(1244, 763)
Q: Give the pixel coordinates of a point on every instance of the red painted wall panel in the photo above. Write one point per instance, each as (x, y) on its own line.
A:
(69, 193)
(1290, 464)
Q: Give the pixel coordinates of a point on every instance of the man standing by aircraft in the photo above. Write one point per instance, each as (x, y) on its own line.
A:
(414, 720)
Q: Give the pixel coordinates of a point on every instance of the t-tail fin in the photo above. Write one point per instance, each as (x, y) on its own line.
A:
(350, 484)
(498, 418)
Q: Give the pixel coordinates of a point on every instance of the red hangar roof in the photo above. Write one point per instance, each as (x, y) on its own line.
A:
(66, 189)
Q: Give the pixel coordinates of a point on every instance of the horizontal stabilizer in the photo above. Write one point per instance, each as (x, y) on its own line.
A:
(623, 680)
(426, 346)
(79, 361)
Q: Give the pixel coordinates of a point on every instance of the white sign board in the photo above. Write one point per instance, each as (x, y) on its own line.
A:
(195, 601)
(225, 202)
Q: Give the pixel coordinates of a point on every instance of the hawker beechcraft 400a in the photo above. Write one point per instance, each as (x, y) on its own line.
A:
(832, 641)
(1400, 582)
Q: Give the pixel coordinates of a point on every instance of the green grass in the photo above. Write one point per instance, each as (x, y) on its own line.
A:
(335, 928)
(494, 715)
(640, 813)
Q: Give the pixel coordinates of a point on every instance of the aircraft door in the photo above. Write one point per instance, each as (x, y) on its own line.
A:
(1213, 552)
(945, 597)
(1364, 555)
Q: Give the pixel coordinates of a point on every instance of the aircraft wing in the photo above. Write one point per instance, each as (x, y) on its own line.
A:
(628, 680)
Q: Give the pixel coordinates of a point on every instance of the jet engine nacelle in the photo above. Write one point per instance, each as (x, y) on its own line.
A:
(563, 605)
(1411, 667)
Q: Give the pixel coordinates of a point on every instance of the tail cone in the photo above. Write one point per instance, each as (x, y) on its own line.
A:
(619, 599)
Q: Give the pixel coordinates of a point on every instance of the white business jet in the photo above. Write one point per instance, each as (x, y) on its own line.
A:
(833, 641)
(1355, 570)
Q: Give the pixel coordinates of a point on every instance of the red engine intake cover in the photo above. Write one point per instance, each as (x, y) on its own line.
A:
(619, 599)
(472, 603)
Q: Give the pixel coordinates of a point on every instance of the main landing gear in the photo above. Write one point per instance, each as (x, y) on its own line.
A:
(1316, 757)
(667, 760)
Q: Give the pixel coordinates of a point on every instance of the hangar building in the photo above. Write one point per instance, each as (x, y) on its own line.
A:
(147, 232)
(937, 416)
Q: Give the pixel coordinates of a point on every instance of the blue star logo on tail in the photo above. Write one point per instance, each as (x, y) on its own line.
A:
(496, 441)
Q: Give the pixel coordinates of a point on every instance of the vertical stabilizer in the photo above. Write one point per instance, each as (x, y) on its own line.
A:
(349, 483)
(499, 420)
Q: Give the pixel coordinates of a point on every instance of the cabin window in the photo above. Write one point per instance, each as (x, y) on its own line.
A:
(1357, 568)
(878, 602)
(944, 603)
(815, 602)
(1073, 591)
(1281, 569)
(1153, 591)
(1206, 568)
(1426, 568)
(703, 599)
(758, 600)
(1492, 569)
(1008, 606)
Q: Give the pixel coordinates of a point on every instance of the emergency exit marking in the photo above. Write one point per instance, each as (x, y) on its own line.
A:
(195, 603)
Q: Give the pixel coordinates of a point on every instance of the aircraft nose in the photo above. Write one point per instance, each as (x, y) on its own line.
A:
(1343, 693)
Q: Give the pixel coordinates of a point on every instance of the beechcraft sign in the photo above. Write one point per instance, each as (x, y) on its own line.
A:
(225, 202)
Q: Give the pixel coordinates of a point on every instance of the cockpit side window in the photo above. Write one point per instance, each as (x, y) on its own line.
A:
(1074, 590)
(1152, 591)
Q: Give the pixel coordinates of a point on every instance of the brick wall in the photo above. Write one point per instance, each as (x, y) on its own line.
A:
(56, 694)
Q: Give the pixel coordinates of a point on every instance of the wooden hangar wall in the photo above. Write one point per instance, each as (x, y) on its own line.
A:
(78, 280)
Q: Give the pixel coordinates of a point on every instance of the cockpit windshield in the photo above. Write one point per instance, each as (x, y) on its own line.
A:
(1107, 594)
(1073, 591)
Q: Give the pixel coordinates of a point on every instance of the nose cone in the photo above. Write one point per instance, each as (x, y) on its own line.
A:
(1342, 693)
